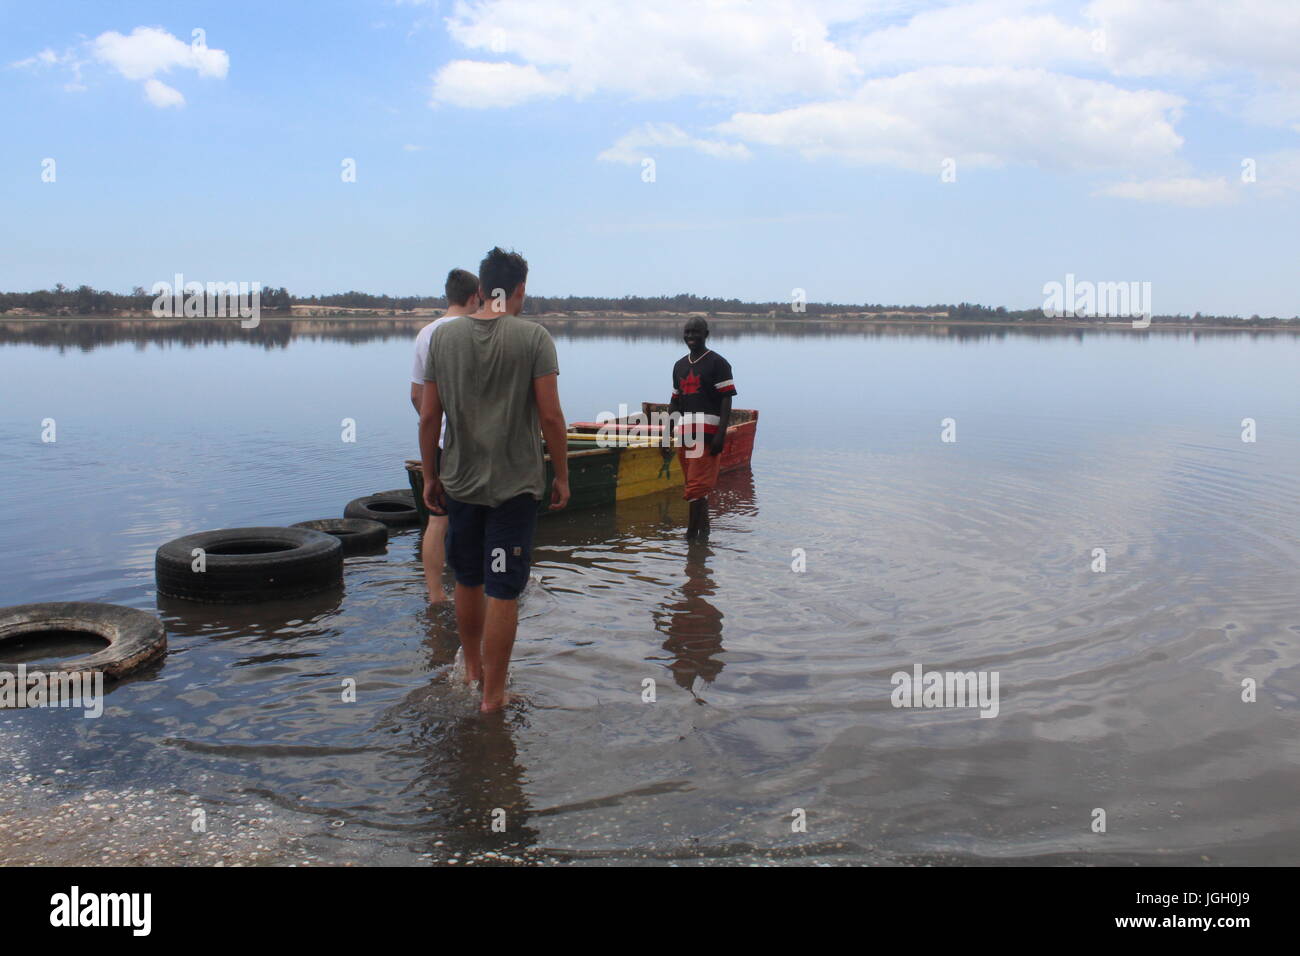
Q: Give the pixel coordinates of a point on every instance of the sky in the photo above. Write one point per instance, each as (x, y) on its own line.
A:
(862, 151)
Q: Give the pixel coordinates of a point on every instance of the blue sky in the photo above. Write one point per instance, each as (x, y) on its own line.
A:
(795, 145)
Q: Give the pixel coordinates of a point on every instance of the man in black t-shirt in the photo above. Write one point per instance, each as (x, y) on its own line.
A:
(702, 393)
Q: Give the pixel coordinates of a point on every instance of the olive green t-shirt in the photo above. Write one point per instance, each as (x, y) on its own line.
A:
(485, 370)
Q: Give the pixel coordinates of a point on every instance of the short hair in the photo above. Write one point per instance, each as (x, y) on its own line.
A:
(461, 284)
(501, 270)
(697, 323)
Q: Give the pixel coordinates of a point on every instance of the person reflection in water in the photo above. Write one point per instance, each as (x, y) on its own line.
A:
(468, 782)
(693, 625)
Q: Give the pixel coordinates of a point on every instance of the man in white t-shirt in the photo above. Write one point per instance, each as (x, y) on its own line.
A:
(462, 298)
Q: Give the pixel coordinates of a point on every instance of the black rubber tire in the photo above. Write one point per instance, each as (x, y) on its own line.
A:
(396, 493)
(358, 535)
(134, 637)
(269, 564)
(396, 511)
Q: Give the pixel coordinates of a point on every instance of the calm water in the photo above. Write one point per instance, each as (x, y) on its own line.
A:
(1118, 690)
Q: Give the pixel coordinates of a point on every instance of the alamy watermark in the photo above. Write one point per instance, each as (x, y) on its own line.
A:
(129, 910)
(1084, 299)
(21, 688)
(928, 689)
(627, 429)
(215, 300)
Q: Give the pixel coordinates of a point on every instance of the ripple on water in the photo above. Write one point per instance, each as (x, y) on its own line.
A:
(771, 688)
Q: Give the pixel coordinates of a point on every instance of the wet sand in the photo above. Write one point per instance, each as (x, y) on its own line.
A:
(47, 825)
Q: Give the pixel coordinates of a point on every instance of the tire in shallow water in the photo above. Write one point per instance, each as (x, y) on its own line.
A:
(249, 564)
(134, 637)
(358, 535)
(396, 511)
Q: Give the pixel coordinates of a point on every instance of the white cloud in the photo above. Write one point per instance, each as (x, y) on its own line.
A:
(1063, 84)
(161, 95)
(1192, 37)
(46, 57)
(151, 50)
(1188, 191)
(146, 52)
(634, 145)
(143, 54)
(491, 85)
(753, 51)
(982, 33)
(1244, 52)
(979, 117)
(981, 81)
(1274, 174)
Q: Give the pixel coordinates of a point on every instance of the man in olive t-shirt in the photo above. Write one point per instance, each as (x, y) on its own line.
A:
(485, 370)
(494, 374)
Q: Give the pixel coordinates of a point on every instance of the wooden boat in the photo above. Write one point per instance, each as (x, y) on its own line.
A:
(635, 466)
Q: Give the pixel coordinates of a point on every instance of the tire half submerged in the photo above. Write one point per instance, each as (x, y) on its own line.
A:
(134, 637)
(249, 564)
(358, 535)
(392, 509)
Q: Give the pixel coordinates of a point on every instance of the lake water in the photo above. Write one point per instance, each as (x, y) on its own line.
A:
(1119, 690)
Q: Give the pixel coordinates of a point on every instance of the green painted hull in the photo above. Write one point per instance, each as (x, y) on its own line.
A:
(604, 476)
(593, 478)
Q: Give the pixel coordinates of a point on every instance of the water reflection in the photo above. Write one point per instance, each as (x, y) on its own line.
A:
(302, 621)
(86, 335)
(467, 785)
(1122, 687)
(468, 779)
(690, 622)
(692, 625)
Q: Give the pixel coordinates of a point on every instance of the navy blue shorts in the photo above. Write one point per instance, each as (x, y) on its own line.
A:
(492, 547)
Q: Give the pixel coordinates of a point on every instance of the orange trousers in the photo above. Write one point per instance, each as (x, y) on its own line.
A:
(701, 471)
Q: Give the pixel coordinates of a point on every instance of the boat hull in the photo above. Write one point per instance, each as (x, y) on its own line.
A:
(605, 476)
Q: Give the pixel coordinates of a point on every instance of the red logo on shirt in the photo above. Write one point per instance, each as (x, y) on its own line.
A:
(690, 384)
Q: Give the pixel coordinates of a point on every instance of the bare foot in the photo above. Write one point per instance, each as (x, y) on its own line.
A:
(489, 707)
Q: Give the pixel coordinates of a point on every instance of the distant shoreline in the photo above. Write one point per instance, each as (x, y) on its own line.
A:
(624, 319)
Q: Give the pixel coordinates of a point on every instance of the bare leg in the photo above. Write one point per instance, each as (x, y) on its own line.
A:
(469, 623)
(431, 553)
(500, 625)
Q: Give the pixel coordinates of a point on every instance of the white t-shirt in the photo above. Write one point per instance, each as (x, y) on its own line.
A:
(422, 340)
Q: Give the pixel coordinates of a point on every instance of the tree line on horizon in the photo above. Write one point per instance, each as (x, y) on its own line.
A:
(83, 300)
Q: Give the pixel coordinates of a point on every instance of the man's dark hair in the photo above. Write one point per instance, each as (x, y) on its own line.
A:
(501, 270)
(461, 284)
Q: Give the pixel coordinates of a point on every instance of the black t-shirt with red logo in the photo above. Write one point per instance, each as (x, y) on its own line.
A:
(699, 386)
